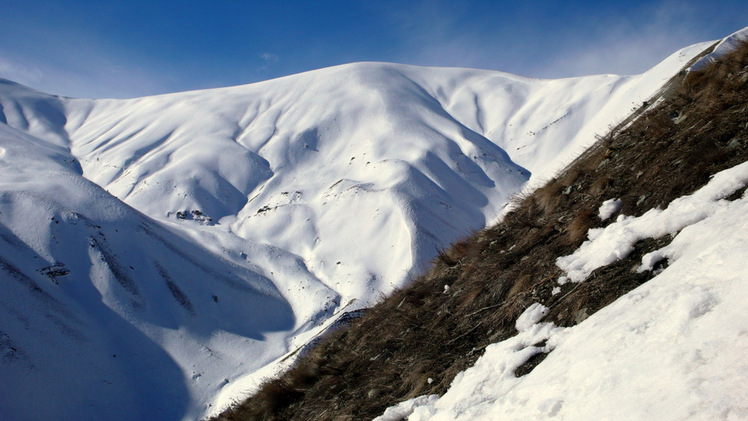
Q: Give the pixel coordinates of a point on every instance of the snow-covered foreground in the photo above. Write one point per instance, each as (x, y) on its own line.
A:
(672, 349)
(157, 253)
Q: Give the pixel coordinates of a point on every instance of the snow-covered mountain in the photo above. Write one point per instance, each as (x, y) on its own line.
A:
(674, 347)
(157, 253)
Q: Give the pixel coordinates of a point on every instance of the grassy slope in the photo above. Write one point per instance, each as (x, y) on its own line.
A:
(421, 332)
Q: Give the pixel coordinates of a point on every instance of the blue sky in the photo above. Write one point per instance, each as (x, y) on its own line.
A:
(127, 48)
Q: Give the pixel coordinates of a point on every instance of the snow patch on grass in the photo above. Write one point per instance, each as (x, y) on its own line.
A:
(616, 241)
(609, 208)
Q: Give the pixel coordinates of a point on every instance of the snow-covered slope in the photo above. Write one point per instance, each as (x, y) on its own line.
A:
(670, 349)
(155, 251)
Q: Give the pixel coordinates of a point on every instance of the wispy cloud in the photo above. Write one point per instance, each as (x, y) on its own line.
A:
(628, 47)
(553, 40)
(269, 57)
(88, 73)
(16, 72)
(59, 57)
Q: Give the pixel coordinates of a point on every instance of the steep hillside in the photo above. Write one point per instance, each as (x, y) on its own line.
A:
(158, 253)
(415, 342)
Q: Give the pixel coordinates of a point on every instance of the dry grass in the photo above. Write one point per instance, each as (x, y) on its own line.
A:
(424, 332)
(584, 219)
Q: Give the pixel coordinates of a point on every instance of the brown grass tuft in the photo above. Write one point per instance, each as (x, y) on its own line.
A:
(549, 196)
(585, 219)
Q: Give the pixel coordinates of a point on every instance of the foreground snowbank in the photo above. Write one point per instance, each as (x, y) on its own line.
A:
(672, 349)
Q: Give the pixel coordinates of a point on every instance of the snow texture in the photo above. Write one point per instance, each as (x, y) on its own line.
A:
(161, 255)
(531, 316)
(609, 208)
(404, 409)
